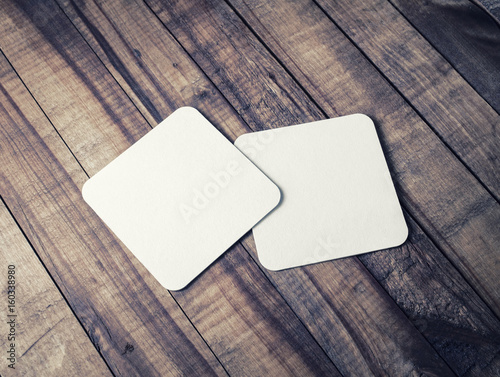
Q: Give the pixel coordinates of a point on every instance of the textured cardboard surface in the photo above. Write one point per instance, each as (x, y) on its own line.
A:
(338, 198)
(180, 197)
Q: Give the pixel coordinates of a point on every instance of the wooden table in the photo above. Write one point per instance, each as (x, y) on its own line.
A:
(80, 81)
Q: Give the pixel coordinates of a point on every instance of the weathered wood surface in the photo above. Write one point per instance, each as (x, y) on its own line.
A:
(85, 79)
(42, 190)
(428, 174)
(466, 35)
(452, 108)
(57, 335)
(490, 6)
(299, 352)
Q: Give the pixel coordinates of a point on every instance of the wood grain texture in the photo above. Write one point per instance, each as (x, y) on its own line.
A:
(133, 36)
(443, 307)
(431, 293)
(46, 329)
(298, 353)
(487, 335)
(447, 201)
(190, 307)
(247, 325)
(26, 29)
(104, 72)
(466, 35)
(227, 346)
(462, 118)
(492, 6)
(138, 328)
(352, 319)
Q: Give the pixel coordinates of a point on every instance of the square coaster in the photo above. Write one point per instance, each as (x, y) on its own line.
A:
(338, 198)
(180, 196)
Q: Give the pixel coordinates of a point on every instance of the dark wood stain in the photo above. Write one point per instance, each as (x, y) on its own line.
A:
(205, 62)
(295, 336)
(42, 167)
(120, 67)
(55, 34)
(429, 82)
(466, 35)
(275, 63)
(426, 287)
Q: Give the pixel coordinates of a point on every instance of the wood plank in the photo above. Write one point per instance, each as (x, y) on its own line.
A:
(446, 200)
(21, 30)
(432, 363)
(247, 325)
(492, 6)
(94, 42)
(454, 110)
(349, 316)
(138, 328)
(268, 333)
(45, 328)
(243, 50)
(466, 35)
(444, 308)
(432, 294)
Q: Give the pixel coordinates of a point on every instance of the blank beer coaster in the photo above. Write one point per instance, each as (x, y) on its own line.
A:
(180, 196)
(338, 198)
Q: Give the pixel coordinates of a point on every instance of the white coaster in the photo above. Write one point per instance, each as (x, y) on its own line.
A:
(338, 198)
(180, 197)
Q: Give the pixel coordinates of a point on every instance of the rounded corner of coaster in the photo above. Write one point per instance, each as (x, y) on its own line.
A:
(85, 190)
(269, 265)
(402, 237)
(362, 117)
(175, 287)
(277, 195)
(187, 109)
(240, 139)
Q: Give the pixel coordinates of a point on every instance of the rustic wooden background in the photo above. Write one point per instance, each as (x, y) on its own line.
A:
(81, 80)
